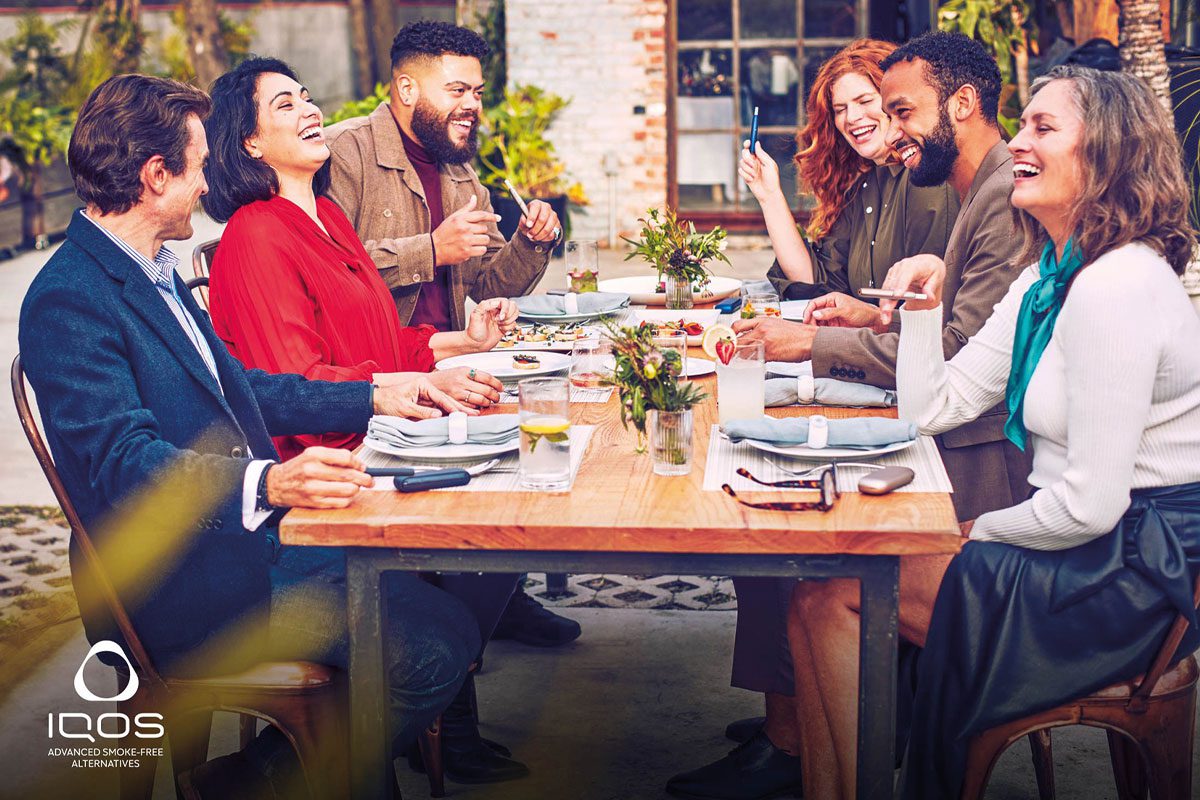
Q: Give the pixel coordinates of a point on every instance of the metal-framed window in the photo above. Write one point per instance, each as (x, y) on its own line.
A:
(725, 58)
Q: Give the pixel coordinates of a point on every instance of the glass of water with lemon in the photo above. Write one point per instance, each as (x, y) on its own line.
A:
(545, 434)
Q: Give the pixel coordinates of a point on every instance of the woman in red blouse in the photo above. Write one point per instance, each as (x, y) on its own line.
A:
(292, 288)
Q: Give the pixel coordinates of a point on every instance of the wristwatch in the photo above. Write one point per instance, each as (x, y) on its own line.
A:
(261, 503)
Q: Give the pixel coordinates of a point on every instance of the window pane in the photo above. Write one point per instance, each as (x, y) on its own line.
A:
(705, 19)
(771, 81)
(704, 73)
(706, 170)
(773, 19)
(814, 57)
(704, 113)
(829, 18)
(782, 148)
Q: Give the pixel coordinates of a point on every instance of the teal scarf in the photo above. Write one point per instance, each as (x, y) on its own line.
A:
(1035, 323)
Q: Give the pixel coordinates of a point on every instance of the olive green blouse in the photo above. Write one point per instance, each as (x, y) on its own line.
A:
(887, 219)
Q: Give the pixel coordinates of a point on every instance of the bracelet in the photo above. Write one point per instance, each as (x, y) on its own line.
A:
(260, 500)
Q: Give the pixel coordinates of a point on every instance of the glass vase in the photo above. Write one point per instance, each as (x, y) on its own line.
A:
(679, 292)
(670, 441)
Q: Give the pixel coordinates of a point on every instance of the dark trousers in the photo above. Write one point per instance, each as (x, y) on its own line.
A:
(433, 632)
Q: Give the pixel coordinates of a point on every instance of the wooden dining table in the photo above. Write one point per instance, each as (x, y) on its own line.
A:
(620, 518)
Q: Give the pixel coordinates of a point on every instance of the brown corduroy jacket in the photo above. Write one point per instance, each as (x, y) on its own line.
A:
(378, 188)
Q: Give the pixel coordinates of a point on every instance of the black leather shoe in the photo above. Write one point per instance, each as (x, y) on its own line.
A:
(466, 756)
(527, 621)
(229, 777)
(754, 770)
(742, 729)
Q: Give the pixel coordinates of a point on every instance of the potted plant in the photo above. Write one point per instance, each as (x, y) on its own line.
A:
(678, 253)
(35, 125)
(515, 148)
(653, 398)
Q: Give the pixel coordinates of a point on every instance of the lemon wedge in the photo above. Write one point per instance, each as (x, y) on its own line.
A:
(714, 334)
(546, 426)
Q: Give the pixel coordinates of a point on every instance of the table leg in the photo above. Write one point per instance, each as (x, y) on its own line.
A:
(878, 642)
(370, 756)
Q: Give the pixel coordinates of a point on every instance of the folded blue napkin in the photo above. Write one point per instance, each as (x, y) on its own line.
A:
(788, 369)
(490, 429)
(589, 303)
(807, 391)
(856, 433)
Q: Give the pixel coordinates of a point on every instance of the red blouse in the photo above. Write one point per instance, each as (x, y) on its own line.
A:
(285, 297)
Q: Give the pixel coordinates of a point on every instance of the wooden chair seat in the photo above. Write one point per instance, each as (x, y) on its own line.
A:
(1179, 678)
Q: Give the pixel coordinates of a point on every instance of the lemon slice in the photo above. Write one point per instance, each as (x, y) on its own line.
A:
(714, 334)
(546, 426)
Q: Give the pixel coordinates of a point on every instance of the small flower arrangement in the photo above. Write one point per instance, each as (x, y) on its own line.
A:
(647, 378)
(675, 249)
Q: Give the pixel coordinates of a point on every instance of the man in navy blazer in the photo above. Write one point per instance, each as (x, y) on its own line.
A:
(163, 439)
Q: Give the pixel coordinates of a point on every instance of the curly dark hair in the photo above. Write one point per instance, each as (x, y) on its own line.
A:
(428, 39)
(235, 178)
(952, 61)
(125, 122)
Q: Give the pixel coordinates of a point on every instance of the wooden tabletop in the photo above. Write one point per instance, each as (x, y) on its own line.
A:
(617, 504)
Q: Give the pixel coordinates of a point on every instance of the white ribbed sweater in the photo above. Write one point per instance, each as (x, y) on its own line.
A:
(1113, 405)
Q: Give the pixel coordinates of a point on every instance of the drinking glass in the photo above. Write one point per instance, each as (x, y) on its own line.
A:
(583, 265)
(592, 362)
(760, 304)
(545, 455)
(741, 383)
(667, 341)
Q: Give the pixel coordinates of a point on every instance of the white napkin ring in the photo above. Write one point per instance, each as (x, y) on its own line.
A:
(457, 430)
(818, 432)
(806, 389)
(571, 303)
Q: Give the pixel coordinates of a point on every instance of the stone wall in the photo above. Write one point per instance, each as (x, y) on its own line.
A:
(610, 57)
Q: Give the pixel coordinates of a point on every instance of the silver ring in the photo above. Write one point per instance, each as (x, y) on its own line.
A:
(557, 232)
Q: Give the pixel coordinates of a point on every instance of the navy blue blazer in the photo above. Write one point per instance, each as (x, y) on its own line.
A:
(152, 452)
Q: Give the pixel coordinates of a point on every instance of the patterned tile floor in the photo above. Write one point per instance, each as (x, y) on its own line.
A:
(34, 570)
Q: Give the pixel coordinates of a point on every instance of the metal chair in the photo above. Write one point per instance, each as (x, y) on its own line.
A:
(1149, 721)
(202, 256)
(305, 701)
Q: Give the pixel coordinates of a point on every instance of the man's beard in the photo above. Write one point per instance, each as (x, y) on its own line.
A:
(938, 154)
(433, 132)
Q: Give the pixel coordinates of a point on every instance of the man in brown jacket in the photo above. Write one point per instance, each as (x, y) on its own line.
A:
(403, 176)
(942, 92)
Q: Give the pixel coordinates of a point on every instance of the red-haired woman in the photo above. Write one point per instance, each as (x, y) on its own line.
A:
(868, 217)
(868, 214)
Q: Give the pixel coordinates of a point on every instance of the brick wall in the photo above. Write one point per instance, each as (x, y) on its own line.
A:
(610, 57)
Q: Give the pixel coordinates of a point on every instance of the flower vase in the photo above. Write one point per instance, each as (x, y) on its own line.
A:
(670, 441)
(679, 292)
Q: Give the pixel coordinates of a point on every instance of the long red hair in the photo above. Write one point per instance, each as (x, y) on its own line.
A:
(827, 164)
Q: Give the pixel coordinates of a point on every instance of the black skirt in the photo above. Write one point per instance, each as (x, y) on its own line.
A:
(1017, 631)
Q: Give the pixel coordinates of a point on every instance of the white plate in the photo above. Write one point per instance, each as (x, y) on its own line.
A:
(698, 367)
(569, 318)
(805, 452)
(500, 364)
(793, 309)
(445, 452)
(705, 316)
(641, 289)
(589, 331)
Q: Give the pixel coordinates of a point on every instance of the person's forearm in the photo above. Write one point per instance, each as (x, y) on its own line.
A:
(455, 343)
(789, 247)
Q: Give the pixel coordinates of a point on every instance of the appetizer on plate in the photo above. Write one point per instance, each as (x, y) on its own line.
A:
(540, 333)
(526, 361)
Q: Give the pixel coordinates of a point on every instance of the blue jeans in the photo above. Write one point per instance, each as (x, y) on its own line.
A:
(432, 633)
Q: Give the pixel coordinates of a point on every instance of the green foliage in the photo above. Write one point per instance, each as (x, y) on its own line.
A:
(674, 248)
(35, 125)
(361, 108)
(491, 26)
(993, 23)
(514, 146)
(235, 37)
(647, 377)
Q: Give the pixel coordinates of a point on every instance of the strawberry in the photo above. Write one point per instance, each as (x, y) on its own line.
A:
(725, 349)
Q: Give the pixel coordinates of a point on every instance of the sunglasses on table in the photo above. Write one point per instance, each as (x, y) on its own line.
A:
(825, 483)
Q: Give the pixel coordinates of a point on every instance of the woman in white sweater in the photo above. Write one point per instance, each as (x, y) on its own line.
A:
(1095, 350)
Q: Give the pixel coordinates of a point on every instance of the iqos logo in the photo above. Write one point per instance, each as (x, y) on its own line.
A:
(113, 725)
